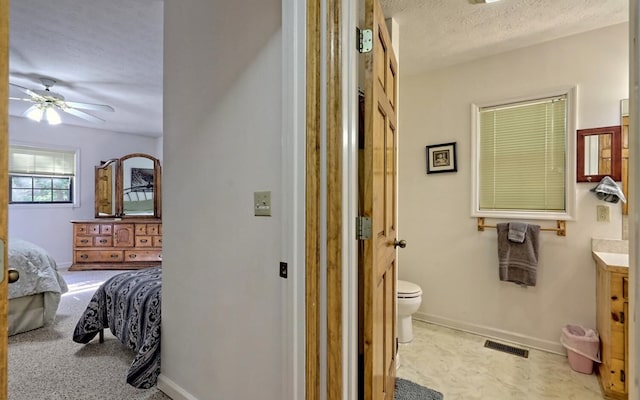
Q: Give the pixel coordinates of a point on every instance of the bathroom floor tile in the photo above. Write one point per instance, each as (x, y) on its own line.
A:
(458, 365)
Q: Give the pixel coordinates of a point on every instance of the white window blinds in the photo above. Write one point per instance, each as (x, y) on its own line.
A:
(522, 156)
(33, 161)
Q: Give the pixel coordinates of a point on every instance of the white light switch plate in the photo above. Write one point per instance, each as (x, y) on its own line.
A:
(262, 204)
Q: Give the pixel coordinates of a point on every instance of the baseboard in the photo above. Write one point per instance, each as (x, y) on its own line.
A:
(493, 333)
(172, 389)
(63, 266)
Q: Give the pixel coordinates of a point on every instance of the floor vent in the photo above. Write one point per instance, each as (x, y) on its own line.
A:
(507, 349)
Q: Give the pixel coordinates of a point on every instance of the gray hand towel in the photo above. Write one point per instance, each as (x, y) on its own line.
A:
(517, 231)
(518, 262)
(608, 190)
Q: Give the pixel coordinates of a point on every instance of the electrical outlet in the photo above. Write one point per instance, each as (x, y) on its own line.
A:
(262, 204)
(603, 213)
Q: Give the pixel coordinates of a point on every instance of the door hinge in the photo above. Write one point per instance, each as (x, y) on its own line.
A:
(622, 317)
(363, 228)
(365, 40)
(623, 376)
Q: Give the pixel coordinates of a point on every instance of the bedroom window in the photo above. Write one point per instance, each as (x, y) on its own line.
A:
(523, 150)
(38, 176)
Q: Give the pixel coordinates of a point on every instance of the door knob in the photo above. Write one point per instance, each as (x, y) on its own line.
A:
(400, 243)
(14, 275)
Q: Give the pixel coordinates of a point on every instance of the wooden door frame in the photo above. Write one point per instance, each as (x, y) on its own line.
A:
(331, 195)
(4, 145)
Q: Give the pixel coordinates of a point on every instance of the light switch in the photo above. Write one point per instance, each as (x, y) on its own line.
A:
(603, 213)
(262, 204)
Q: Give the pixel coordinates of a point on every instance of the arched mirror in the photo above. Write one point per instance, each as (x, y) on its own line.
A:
(135, 191)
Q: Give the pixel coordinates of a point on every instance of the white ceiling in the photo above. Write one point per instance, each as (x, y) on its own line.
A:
(99, 51)
(110, 51)
(440, 33)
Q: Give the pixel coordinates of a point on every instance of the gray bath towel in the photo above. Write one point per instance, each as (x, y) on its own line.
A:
(518, 262)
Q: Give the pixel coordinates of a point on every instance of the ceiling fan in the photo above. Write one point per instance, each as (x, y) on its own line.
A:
(46, 103)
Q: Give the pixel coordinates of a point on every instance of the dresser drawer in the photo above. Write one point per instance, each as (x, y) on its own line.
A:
(86, 229)
(83, 241)
(153, 229)
(157, 241)
(103, 241)
(144, 241)
(88, 256)
(141, 229)
(142, 255)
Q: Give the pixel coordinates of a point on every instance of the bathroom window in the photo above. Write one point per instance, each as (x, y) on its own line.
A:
(523, 153)
(41, 176)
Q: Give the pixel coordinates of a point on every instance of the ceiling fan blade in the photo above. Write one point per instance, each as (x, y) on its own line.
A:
(82, 114)
(22, 99)
(89, 106)
(27, 91)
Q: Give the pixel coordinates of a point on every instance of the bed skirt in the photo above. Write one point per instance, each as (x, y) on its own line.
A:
(26, 313)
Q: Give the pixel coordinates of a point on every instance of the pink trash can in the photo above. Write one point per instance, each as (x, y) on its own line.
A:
(583, 347)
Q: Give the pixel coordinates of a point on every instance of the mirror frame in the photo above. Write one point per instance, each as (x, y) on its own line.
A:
(616, 155)
(119, 186)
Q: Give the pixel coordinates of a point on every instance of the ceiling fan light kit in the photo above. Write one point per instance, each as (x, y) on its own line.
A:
(47, 103)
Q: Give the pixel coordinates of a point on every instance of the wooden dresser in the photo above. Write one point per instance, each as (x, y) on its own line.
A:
(612, 314)
(116, 244)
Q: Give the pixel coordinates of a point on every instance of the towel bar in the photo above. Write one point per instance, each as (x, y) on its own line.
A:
(561, 229)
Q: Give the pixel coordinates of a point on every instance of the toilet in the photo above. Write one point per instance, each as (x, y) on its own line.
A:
(409, 299)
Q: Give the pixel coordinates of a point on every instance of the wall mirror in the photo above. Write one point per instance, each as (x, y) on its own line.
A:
(599, 154)
(128, 187)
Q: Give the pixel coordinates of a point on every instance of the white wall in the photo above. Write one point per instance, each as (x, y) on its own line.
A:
(456, 265)
(48, 225)
(221, 310)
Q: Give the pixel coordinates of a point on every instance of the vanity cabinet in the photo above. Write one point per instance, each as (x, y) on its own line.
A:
(116, 244)
(612, 299)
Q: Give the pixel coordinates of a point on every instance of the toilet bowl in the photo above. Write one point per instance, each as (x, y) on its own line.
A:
(409, 299)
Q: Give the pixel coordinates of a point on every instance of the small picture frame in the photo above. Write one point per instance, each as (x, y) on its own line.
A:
(441, 158)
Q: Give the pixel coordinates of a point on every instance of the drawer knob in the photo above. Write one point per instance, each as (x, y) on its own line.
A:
(114, 256)
(143, 240)
(84, 256)
(132, 256)
(84, 241)
(103, 241)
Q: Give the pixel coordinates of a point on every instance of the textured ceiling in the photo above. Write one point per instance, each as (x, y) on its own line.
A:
(99, 51)
(110, 51)
(440, 33)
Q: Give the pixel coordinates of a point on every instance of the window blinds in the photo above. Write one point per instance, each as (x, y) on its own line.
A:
(32, 161)
(522, 150)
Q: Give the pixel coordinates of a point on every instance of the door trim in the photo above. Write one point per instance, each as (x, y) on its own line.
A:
(4, 210)
(331, 193)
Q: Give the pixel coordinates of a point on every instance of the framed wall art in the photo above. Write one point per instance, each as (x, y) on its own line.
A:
(441, 158)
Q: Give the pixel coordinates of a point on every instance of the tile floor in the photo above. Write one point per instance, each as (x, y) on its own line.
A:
(458, 365)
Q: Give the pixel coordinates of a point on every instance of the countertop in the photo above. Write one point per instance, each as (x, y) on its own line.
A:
(614, 260)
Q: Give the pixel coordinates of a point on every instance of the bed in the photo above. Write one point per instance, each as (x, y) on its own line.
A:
(129, 305)
(34, 298)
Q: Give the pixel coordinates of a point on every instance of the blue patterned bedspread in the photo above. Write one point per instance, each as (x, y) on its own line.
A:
(129, 305)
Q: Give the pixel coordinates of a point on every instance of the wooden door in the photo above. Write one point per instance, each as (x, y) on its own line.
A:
(4, 143)
(379, 185)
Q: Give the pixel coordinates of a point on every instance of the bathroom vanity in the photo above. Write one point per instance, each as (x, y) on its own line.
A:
(612, 314)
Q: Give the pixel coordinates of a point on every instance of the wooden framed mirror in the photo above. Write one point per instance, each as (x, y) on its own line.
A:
(599, 154)
(129, 187)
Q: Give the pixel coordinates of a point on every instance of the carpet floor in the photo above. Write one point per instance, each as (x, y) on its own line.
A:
(46, 364)
(407, 390)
